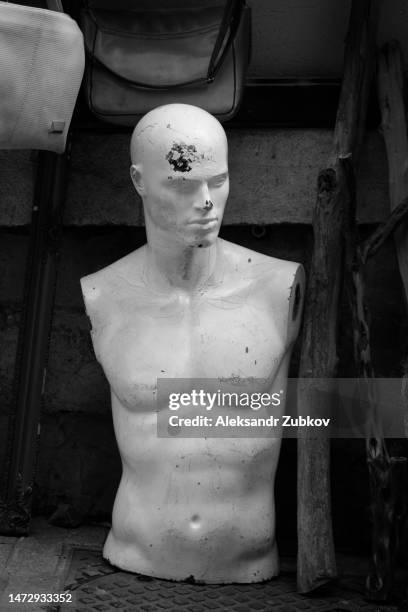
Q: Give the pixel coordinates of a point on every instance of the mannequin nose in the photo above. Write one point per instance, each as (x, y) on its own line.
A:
(208, 205)
(203, 201)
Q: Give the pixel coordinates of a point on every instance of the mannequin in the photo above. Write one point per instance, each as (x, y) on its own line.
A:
(190, 305)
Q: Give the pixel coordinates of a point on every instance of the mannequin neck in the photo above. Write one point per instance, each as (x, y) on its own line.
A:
(171, 264)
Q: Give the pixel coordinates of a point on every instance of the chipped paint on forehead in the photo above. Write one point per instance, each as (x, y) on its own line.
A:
(183, 157)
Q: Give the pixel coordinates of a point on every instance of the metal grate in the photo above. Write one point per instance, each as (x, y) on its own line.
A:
(99, 587)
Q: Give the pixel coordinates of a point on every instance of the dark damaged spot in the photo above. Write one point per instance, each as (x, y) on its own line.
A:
(192, 580)
(181, 156)
(296, 303)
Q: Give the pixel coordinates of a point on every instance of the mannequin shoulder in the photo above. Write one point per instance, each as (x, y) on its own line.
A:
(286, 285)
(280, 275)
(100, 288)
(278, 283)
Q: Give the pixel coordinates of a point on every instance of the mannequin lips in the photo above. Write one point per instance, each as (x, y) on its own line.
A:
(205, 222)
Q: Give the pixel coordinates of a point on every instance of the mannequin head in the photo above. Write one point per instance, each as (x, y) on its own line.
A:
(180, 170)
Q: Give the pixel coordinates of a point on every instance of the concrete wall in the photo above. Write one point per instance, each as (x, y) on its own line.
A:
(273, 179)
(13, 255)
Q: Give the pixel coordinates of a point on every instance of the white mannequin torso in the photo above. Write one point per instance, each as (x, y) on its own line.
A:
(200, 507)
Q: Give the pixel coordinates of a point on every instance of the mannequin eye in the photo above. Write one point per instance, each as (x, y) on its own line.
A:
(218, 181)
(182, 184)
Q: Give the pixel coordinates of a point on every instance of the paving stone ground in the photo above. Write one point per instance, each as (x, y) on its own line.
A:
(53, 560)
(38, 563)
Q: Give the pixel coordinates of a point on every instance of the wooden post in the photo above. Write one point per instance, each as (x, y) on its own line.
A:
(382, 495)
(391, 87)
(394, 129)
(316, 557)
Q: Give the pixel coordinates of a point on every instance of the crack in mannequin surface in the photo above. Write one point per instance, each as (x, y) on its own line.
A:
(188, 304)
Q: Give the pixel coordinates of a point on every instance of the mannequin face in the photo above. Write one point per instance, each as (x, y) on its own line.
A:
(181, 173)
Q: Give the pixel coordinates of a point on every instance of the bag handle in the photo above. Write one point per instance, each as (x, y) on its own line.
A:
(230, 20)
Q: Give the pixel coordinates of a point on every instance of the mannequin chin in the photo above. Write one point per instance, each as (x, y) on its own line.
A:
(203, 242)
(190, 305)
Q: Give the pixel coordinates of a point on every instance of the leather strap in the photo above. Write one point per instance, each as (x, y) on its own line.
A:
(230, 22)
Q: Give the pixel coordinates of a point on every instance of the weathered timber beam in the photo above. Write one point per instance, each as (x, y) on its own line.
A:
(377, 238)
(391, 85)
(394, 129)
(316, 557)
(386, 474)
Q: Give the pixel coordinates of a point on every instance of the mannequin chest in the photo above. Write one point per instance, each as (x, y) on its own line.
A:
(175, 338)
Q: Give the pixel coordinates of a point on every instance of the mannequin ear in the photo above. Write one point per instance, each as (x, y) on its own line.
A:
(136, 176)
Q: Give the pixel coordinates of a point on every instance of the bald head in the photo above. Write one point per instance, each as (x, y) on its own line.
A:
(180, 169)
(180, 134)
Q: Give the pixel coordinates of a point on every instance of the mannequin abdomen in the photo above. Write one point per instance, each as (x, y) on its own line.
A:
(193, 507)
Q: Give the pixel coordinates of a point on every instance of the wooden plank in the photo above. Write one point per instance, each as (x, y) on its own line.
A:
(391, 83)
(391, 89)
(316, 557)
